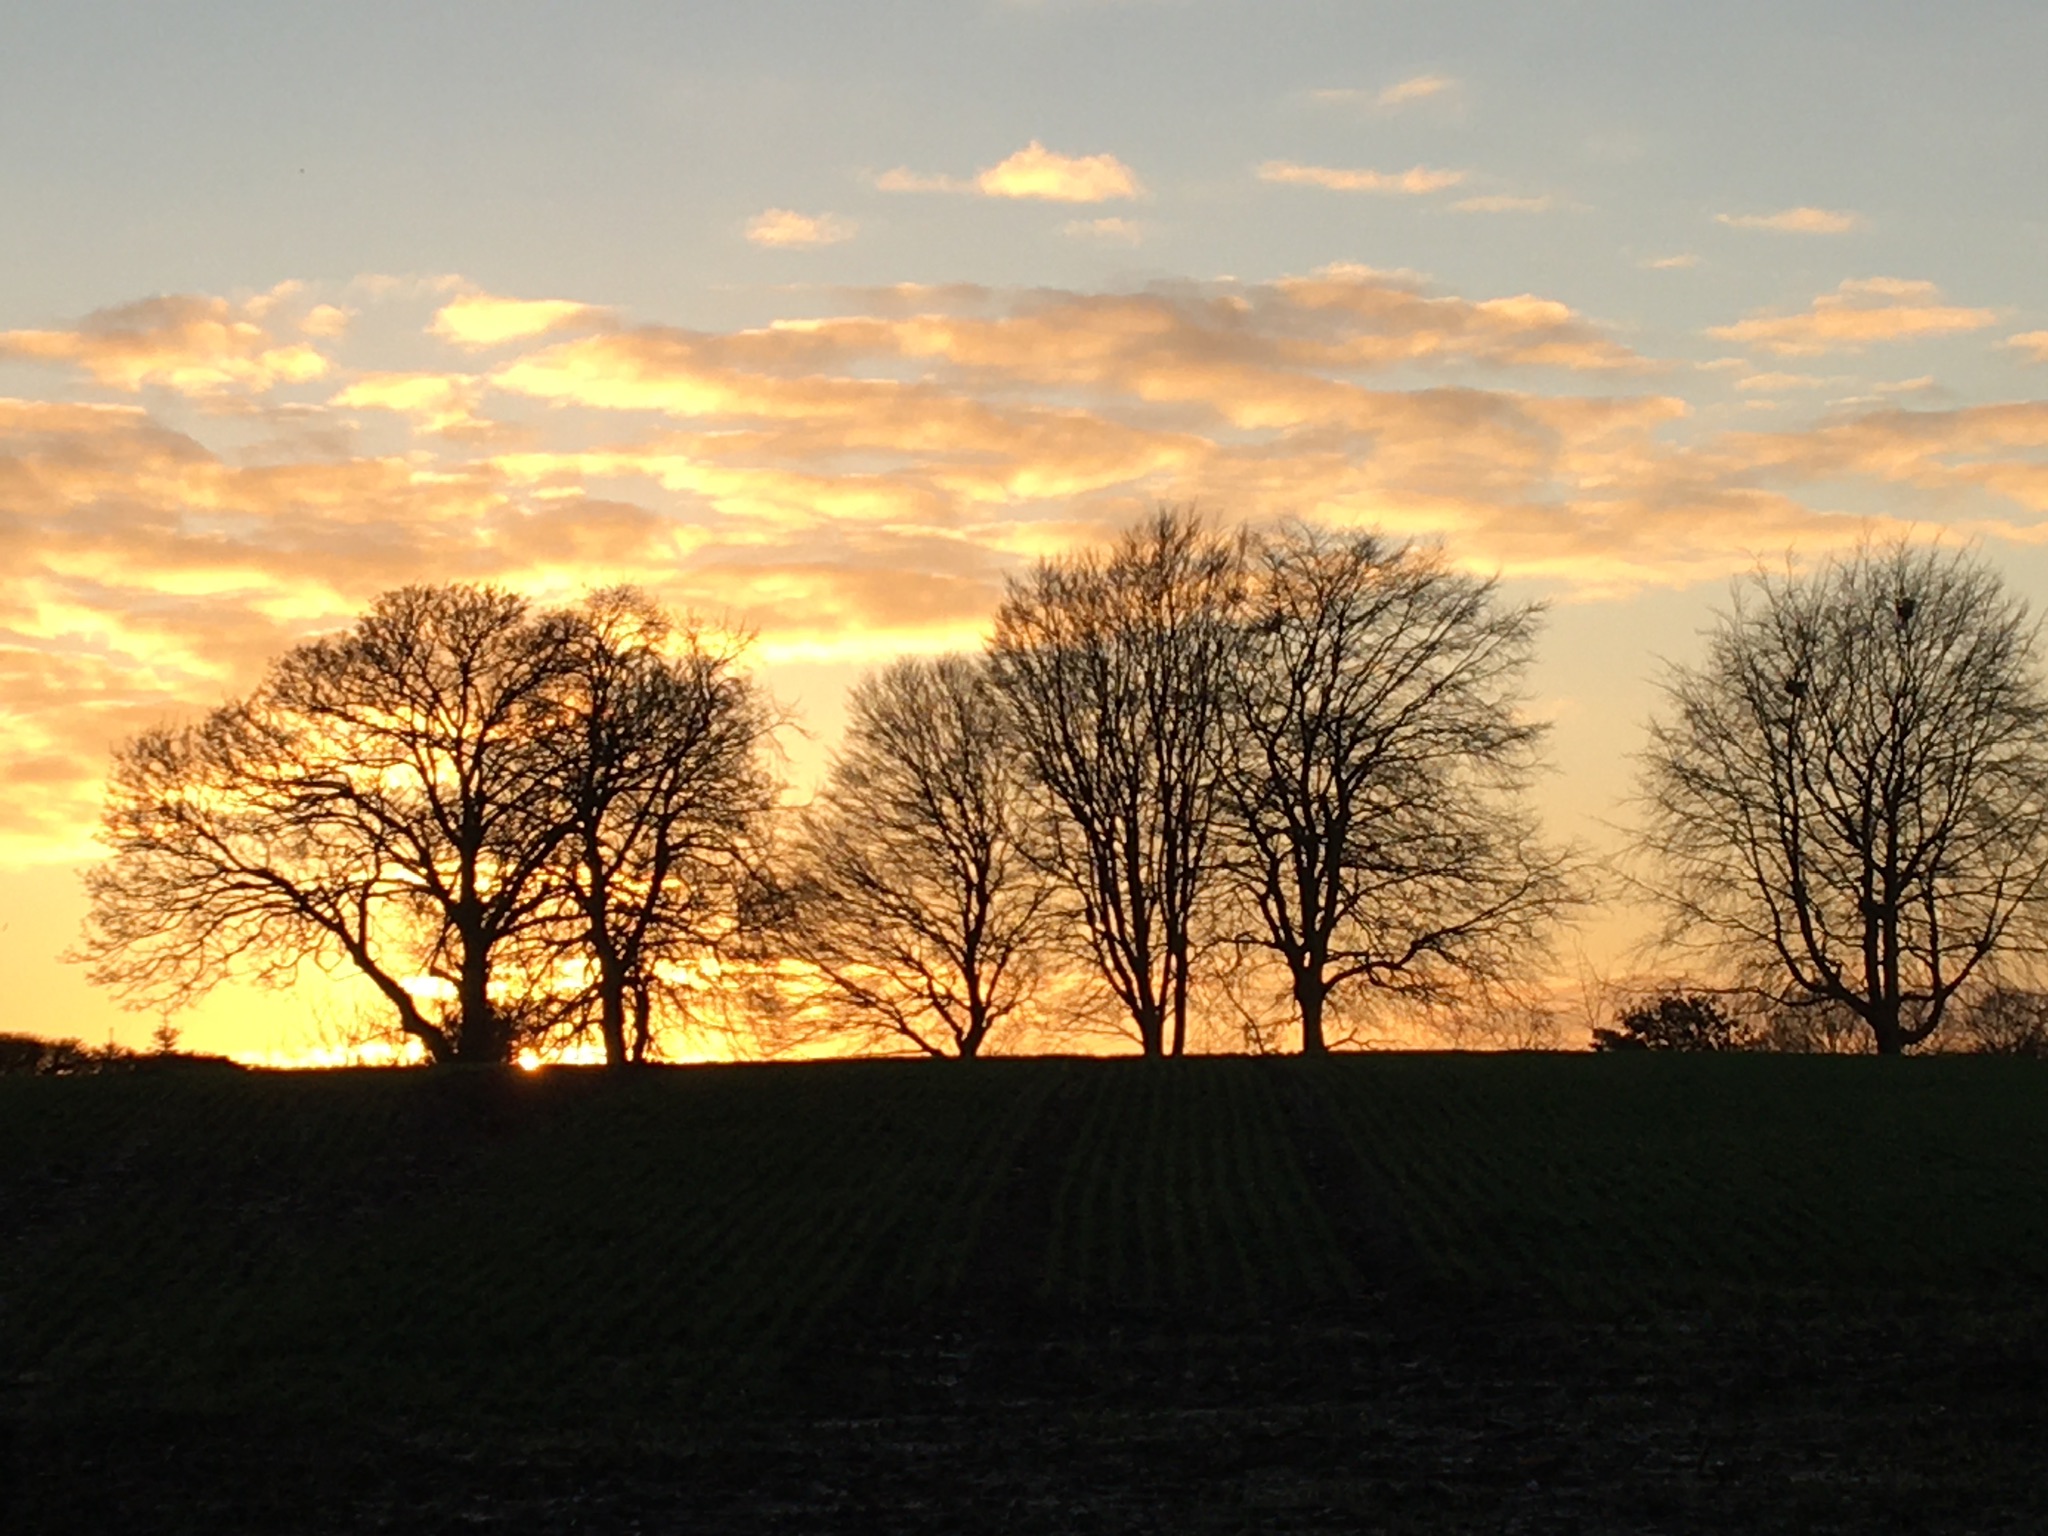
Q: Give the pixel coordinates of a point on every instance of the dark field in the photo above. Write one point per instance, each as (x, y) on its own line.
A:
(1626, 1293)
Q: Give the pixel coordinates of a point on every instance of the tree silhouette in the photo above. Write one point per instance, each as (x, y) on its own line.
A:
(1115, 670)
(380, 802)
(1677, 1021)
(657, 776)
(1849, 796)
(912, 898)
(1376, 759)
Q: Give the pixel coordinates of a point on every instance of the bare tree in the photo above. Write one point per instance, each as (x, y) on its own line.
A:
(380, 802)
(912, 897)
(1115, 670)
(1377, 760)
(659, 778)
(2006, 1020)
(1850, 795)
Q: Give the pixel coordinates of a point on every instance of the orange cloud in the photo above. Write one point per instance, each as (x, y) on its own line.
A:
(327, 321)
(783, 228)
(903, 179)
(1861, 311)
(1032, 172)
(2001, 450)
(2034, 342)
(1415, 182)
(1037, 172)
(479, 320)
(1417, 88)
(1796, 221)
(190, 343)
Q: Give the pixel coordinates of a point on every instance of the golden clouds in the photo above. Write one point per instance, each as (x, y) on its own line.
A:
(1796, 221)
(189, 343)
(1861, 311)
(1258, 356)
(1037, 172)
(786, 229)
(439, 402)
(480, 320)
(1032, 172)
(1415, 182)
(857, 482)
(1999, 449)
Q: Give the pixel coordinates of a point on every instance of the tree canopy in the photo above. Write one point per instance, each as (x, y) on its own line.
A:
(1848, 798)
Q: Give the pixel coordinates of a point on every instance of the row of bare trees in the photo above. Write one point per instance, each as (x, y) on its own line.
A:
(1297, 746)
(518, 823)
(1293, 755)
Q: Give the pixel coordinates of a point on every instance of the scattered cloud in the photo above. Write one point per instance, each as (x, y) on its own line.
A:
(1109, 231)
(903, 179)
(1861, 311)
(479, 320)
(1415, 88)
(1032, 172)
(1415, 182)
(1796, 221)
(1500, 203)
(2032, 342)
(329, 322)
(1671, 263)
(190, 343)
(857, 478)
(784, 228)
(1392, 98)
(1780, 381)
(443, 403)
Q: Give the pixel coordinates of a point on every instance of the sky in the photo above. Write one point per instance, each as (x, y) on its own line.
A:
(823, 319)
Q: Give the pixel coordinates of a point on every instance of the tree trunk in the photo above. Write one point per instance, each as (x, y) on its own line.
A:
(1151, 1021)
(611, 1003)
(483, 1032)
(1309, 997)
(642, 1025)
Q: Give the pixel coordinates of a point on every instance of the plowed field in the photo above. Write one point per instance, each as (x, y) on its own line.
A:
(1628, 1293)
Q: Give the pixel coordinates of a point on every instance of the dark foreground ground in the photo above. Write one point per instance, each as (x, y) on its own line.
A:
(1387, 1293)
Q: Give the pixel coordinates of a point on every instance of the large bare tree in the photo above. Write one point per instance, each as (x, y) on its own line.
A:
(659, 777)
(912, 898)
(1115, 668)
(1377, 759)
(1849, 795)
(381, 801)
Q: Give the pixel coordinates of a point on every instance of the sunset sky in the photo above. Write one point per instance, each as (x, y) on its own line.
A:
(823, 318)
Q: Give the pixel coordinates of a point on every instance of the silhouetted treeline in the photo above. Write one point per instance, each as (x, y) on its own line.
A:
(1197, 773)
(33, 1056)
